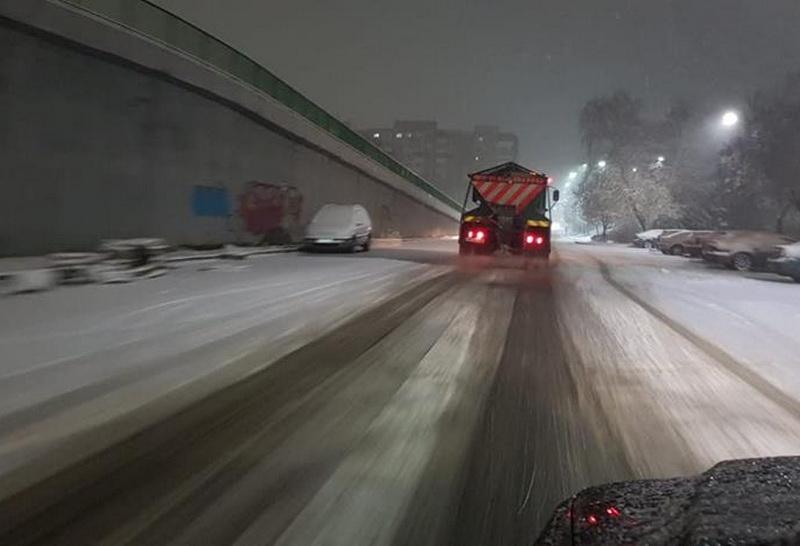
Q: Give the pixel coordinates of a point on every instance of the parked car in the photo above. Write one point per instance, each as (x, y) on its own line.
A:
(786, 261)
(673, 242)
(693, 246)
(649, 239)
(686, 242)
(744, 250)
(339, 227)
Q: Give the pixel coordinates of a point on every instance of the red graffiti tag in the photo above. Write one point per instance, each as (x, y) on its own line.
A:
(265, 208)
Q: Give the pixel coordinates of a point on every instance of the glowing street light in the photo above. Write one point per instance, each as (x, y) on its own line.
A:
(585, 166)
(573, 175)
(661, 159)
(602, 164)
(730, 119)
(635, 169)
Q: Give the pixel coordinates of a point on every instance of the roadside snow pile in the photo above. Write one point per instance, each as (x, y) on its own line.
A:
(74, 267)
(134, 250)
(116, 261)
(27, 280)
(575, 239)
(130, 259)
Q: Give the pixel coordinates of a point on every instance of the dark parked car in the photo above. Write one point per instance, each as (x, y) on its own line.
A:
(744, 250)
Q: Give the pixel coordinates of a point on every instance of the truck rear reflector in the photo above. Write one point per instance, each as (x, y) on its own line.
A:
(516, 194)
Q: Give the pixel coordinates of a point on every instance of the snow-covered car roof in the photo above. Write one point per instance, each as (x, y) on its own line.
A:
(756, 240)
(679, 232)
(745, 235)
(649, 234)
(334, 214)
(792, 250)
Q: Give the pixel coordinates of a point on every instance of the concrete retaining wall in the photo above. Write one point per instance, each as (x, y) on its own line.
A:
(105, 134)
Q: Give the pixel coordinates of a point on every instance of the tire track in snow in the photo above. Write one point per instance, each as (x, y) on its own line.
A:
(717, 354)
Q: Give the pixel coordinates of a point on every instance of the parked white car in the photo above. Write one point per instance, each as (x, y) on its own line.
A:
(339, 227)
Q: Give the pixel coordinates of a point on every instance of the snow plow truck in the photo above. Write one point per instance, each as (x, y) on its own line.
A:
(507, 208)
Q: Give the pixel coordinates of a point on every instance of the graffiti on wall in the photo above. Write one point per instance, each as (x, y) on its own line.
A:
(271, 212)
(211, 201)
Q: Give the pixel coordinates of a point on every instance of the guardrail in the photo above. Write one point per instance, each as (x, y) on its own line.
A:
(158, 24)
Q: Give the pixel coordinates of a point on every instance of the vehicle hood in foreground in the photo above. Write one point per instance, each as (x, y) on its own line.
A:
(753, 501)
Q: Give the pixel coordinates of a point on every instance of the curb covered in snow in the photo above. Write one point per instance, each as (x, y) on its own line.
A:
(228, 252)
(36, 274)
(29, 280)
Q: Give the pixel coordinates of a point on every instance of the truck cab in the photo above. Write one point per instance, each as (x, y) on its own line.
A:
(507, 208)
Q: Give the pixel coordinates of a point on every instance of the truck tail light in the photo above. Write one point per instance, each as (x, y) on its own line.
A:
(534, 239)
(476, 235)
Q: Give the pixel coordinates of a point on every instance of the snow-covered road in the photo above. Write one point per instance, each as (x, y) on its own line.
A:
(400, 396)
(80, 356)
(755, 317)
(692, 365)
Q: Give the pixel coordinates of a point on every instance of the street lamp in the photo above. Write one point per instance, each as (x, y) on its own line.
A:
(730, 119)
(635, 169)
(573, 175)
(602, 164)
(661, 159)
(585, 166)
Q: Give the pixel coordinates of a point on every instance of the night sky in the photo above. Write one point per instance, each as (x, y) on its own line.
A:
(527, 66)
